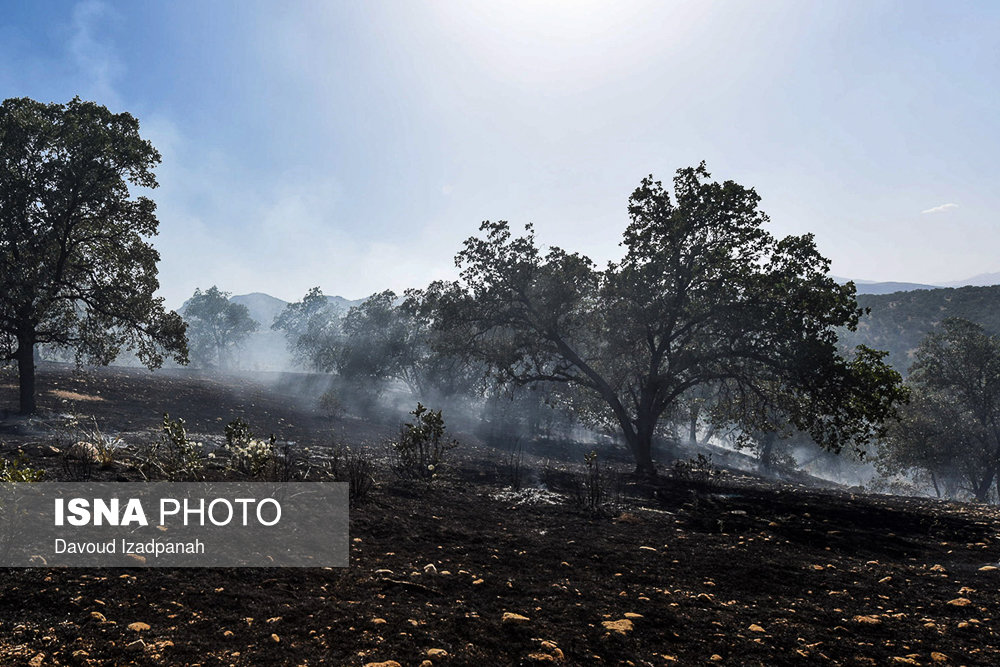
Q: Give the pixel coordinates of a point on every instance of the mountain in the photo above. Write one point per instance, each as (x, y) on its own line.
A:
(263, 307)
(981, 280)
(890, 287)
(344, 304)
(267, 349)
(898, 322)
(874, 287)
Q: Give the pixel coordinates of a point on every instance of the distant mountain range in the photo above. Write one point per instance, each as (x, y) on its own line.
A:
(264, 307)
(874, 287)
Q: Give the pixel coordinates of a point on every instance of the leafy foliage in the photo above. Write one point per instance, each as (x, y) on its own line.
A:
(422, 446)
(249, 454)
(19, 470)
(704, 295)
(951, 430)
(173, 454)
(312, 330)
(216, 327)
(76, 269)
(898, 322)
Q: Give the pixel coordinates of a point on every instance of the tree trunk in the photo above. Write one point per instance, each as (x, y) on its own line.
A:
(26, 373)
(641, 443)
(767, 454)
(983, 489)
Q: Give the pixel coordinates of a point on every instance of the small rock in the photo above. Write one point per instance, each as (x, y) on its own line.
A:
(622, 627)
(988, 568)
(716, 657)
(937, 656)
(437, 653)
(510, 618)
(378, 621)
(960, 602)
(227, 633)
(37, 660)
(430, 569)
(138, 626)
(98, 616)
(632, 615)
(755, 628)
(867, 620)
(938, 568)
(276, 639)
(387, 663)
(540, 657)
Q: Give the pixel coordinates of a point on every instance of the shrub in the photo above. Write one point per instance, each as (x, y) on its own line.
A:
(19, 470)
(173, 454)
(357, 468)
(514, 465)
(247, 454)
(422, 446)
(331, 405)
(89, 443)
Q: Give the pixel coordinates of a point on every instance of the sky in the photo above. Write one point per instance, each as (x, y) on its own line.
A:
(353, 146)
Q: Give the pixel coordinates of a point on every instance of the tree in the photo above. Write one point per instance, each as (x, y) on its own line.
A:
(379, 343)
(951, 431)
(312, 330)
(216, 326)
(703, 295)
(76, 269)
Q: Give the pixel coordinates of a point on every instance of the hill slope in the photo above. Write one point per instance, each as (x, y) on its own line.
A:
(899, 321)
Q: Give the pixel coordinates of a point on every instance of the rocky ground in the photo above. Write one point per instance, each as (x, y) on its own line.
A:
(703, 567)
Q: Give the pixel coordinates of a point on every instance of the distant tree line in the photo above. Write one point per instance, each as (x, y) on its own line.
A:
(705, 307)
(708, 324)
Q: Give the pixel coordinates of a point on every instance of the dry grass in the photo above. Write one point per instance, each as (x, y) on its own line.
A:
(73, 396)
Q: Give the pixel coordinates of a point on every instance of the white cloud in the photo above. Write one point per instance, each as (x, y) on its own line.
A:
(940, 209)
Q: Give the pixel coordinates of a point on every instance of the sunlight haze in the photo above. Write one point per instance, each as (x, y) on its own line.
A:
(355, 145)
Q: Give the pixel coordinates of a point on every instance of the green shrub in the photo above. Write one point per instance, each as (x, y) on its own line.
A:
(19, 470)
(173, 454)
(250, 455)
(421, 448)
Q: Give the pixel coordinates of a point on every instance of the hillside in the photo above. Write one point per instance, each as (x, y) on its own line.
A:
(899, 321)
(890, 287)
(700, 567)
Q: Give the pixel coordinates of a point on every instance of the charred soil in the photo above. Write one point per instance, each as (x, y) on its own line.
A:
(694, 569)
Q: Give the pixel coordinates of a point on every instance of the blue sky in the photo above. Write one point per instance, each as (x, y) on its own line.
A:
(354, 145)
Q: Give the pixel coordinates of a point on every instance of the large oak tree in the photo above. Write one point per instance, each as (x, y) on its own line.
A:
(704, 295)
(76, 268)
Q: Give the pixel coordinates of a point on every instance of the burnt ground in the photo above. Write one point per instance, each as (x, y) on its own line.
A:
(700, 568)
